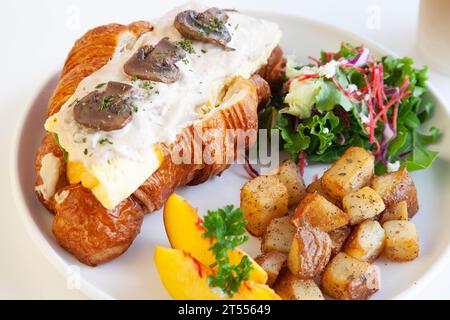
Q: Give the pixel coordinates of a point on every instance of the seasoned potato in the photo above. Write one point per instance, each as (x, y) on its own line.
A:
(316, 187)
(402, 241)
(347, 278)
(366, 241)
(278, 236)
(396, 212)
(352, 171)
(289, 175)
(363, 204)
(310, 252)
(318, 212)
(289, 287)
(271, 262)
(263, 199)
(338, 238)
(395, 187)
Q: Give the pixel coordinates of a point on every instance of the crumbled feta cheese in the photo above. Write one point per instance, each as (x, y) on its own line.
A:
(352, 88)
(326, 130)
(329, 70)
(392, 167)
(364, 119)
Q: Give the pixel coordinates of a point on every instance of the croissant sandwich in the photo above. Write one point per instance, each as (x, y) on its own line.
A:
(133, 106)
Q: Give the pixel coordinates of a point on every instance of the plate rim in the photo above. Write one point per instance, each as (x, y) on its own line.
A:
(93, 292)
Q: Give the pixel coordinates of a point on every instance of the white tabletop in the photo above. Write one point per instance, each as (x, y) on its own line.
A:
(24, 271)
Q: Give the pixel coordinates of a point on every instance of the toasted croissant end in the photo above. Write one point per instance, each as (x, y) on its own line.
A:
(273, 71)
(262, 89)
(90, 232)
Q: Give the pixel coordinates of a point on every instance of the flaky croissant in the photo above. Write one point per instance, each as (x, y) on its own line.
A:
(82, 225)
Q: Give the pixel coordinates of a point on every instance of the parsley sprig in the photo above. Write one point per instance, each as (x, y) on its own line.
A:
(227, 228)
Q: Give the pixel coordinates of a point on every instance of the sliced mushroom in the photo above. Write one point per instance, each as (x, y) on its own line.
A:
(105, 110)
(156, 63)
(208, 26)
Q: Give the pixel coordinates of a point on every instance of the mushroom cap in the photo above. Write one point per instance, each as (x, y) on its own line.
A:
(156, 63)
(105, 110)
(208, 26)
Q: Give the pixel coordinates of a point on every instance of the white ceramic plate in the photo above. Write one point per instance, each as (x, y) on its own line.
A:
(133, 275)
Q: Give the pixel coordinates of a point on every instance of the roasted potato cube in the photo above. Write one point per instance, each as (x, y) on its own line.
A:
(363, 204)
(338, 238)
(310, 252)
(316, 187)
(289, 287)
(352, 171)
(395, 187)
(263, 199)
(289, 175)
(397, 212)
(271, 262)
(366, 241)
(347, 278)
(318, 212)
(278, 236)
(402, 241)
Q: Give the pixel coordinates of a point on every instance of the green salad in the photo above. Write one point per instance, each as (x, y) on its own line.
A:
(349, 98)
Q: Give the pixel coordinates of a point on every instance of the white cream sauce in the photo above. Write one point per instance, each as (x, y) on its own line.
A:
(166, 108)
(61, 196)
(49, 173)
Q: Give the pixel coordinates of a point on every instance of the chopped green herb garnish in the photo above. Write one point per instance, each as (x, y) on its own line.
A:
(134, 78)
(73, 102)
(227, 228)
(186, 45)
(146, 84)
(100, 85)
(204, 51)
(85, 151)
(134, 106)
(106, 101)
(105, 140)
(84, 140)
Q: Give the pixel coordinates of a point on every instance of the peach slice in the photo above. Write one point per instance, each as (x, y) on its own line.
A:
(185, 278)
(184, 230)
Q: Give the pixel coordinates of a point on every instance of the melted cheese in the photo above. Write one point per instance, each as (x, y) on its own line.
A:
(121, 166)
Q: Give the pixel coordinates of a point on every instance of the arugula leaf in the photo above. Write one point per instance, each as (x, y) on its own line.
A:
(434, 135)
(227, 228)
(348, 51)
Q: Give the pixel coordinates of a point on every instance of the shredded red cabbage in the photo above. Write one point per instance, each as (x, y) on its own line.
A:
(252, 172)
